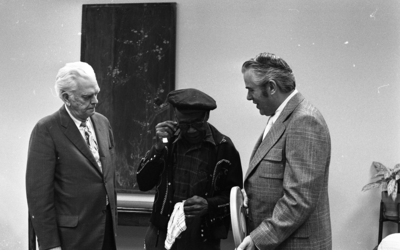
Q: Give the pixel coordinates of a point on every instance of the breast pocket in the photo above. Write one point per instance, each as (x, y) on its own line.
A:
(272, 165)
(270, 176)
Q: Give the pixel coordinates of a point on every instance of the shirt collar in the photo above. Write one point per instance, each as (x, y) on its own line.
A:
(282, 106)
(76, 121)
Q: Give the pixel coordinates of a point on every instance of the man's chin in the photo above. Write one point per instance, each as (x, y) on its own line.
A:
(91, 112)
(193, 138)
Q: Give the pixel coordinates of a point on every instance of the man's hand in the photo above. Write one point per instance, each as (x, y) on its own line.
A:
(247, 244)
(164, 129)
(195, 206)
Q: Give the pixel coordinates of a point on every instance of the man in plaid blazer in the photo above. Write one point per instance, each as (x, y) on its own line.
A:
(286, 184)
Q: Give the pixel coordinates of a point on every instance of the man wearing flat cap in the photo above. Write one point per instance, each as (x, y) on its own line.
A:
(196, 167)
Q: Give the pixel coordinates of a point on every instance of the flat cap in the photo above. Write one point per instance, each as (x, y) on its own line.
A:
(191, 99)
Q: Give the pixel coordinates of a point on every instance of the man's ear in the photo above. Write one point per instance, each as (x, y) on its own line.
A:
(65, 98)
(272, 87)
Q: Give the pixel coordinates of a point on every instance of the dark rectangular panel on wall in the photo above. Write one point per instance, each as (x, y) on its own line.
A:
(132, 50)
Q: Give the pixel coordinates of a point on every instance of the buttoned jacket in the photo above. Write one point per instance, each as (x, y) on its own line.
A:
(66, 190)
(224, 171)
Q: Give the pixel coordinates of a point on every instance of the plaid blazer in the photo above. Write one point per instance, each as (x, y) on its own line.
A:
(287, 182)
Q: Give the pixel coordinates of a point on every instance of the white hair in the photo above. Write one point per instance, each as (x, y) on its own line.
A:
(68, 76)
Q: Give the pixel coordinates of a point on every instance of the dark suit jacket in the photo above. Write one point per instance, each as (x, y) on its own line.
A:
(66, 191)
(287, 181)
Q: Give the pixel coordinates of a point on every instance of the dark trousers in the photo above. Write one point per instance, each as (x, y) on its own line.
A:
(155, 239)
(109, 239)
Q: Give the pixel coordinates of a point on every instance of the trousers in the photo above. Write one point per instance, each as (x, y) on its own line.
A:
(155, 239)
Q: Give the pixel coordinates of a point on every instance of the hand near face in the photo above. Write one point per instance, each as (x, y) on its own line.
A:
(195, 206)
(164, 129)
(247, 244)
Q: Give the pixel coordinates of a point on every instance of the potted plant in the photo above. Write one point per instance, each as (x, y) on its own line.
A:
(386, 178)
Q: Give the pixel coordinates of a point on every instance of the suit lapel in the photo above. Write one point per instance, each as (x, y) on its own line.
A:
(102, 139)
(276, 131)
(260, 139)
(99, 130)
(73, 134)
(270, 139)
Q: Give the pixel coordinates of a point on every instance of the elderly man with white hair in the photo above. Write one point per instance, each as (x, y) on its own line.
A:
(70, 170)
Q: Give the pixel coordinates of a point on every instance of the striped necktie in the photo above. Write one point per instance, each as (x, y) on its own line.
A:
(92, 144)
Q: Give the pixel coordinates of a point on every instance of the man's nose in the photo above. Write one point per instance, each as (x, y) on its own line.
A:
(249, 97)
(94, 100)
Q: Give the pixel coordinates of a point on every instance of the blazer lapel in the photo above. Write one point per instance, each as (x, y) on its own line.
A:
(260, 139)
(73, 134)
(276, 131)
(102, 140)
(270, 139)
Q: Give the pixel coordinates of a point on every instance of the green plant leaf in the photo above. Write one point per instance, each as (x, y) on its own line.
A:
(388, 174)
(381, 173)
(391, 186)
(372, 185)
(379, 167)
(394, 194)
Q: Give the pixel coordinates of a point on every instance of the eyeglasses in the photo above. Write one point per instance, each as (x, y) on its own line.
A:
(185, 126)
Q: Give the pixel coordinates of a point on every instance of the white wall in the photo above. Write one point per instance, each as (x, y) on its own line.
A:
(345, 55)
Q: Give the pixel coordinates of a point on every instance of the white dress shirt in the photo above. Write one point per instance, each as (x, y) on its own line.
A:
(82, 131)
(272, 119)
